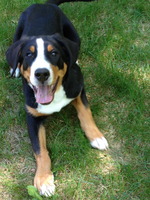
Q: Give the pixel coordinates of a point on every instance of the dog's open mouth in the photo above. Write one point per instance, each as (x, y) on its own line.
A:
(44, 94)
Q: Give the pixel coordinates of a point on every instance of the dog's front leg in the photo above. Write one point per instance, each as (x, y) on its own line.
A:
(88, 125)
(44, 179)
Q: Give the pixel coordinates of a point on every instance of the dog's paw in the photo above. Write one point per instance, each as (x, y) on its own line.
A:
(100, 143)
(45, 185)
(47, 190)
(16, 73)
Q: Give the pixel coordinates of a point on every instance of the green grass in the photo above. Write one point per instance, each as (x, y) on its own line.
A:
(114, 59)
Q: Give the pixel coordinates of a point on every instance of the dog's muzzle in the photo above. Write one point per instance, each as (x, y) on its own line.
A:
(44, 93)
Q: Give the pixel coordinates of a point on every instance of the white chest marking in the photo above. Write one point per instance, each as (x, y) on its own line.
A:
(60, 100)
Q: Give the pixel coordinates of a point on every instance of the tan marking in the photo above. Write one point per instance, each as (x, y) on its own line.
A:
(32, 49)
(43, 174)
(34, 112)
(49, 48)
(86, 120)
(25, 73)
(59, 73)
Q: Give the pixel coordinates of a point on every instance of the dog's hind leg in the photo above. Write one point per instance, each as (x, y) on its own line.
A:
(44, 179)
(88, 125)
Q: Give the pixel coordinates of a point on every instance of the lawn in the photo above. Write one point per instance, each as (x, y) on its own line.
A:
(114, 59)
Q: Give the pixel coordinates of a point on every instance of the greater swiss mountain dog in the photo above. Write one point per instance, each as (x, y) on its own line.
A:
(45, 51)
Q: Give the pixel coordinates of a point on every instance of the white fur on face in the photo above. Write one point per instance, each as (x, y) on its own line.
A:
(60, 99)
(40, 62)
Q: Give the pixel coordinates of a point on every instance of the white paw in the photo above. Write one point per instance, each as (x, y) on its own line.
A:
(100, 143)
(45, 184)
(47, 190)
(16, 73)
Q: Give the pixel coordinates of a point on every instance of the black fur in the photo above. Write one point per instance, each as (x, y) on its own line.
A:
(33, 124)
(48, 22)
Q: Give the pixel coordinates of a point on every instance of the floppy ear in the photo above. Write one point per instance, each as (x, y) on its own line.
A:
(13, 55)
(70, 48)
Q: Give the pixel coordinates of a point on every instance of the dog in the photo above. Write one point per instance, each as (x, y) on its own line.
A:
(45, 51)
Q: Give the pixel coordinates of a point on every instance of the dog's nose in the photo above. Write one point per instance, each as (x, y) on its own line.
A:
(42, 74)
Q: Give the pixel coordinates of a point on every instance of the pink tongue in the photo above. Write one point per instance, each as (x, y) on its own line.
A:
(44, 95)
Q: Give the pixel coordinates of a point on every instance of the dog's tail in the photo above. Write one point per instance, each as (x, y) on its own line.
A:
(58, 2)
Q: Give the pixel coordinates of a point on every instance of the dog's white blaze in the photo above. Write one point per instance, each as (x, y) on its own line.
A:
(60, 100)
(40, 62)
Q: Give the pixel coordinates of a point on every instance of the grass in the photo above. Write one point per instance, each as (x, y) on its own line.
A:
(114, 59)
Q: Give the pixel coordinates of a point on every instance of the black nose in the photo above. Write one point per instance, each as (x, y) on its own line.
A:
(42, 74)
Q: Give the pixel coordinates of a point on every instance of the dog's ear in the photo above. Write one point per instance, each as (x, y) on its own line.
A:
(13, 55)
(69, 48)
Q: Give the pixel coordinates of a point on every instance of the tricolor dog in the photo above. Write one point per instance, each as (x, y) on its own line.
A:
(45, 51)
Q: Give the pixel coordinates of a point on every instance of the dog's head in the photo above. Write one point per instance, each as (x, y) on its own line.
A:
(43, 62)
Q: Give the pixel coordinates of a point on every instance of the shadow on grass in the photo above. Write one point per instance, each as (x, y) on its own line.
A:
(127, 108)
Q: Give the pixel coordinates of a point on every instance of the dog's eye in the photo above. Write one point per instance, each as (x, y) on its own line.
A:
(54, 53)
